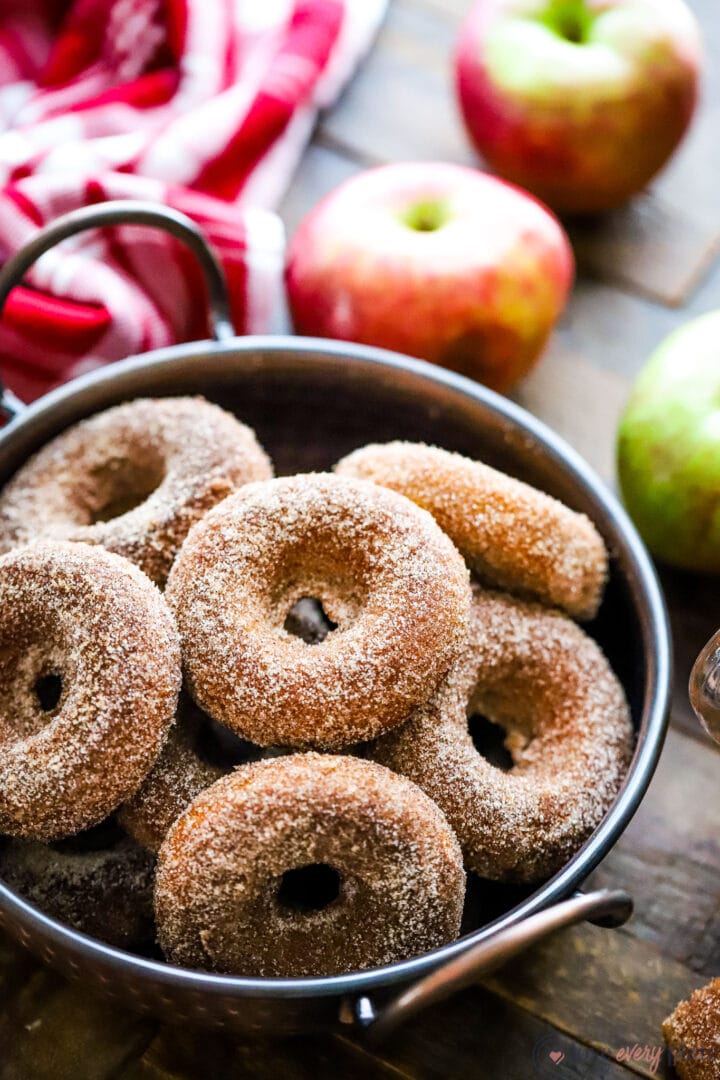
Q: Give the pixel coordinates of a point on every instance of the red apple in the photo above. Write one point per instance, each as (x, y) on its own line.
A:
(434, 260)
(580, 101)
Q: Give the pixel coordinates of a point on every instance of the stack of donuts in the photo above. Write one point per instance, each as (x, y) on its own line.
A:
(235, 709)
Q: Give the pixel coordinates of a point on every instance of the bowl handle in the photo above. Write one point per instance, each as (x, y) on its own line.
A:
(120, 212)
(705, 687)
(606, 907)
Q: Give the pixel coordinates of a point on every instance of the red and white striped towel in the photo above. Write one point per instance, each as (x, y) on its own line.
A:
(203, 105)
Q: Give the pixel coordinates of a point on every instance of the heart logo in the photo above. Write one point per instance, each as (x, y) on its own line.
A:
(556, 1056)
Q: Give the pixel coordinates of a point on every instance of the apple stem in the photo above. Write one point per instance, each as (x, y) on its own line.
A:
(427, 215)
(570, 19)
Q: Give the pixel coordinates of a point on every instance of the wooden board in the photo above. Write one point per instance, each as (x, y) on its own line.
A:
(587, 995)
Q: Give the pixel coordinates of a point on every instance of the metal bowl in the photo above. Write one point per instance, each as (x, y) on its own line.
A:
(311, 402)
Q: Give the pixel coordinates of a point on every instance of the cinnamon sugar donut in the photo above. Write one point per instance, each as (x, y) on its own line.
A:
(309, 864)
(99, 883)
(89, 626)
(540, 677)
(692, 1033)
(179, 775)
(132, 479)
(386, 575)
(512, 536)
(197, 753)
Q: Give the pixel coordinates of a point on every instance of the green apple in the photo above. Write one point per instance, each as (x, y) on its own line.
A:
(669, 448)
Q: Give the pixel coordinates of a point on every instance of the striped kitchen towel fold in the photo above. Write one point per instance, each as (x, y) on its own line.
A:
(202, 105)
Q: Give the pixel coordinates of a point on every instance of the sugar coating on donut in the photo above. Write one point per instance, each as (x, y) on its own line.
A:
(219, 897)
(179, 775)
(177, 778)
(512, 535)
(197, 753)
(106, 893)
(132, 479)
(692, 1033)
(534, 672)
(386, 575)
(98, 625)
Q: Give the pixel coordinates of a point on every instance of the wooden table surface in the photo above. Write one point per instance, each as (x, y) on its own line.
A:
(587, 993)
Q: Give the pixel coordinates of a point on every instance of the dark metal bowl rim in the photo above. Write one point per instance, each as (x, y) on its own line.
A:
(647, 596)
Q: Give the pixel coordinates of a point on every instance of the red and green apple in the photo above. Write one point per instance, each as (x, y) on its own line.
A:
(580, 101)
(438, 261)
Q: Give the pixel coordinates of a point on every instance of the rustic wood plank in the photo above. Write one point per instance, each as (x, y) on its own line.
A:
(669, 857)
(649, 246)
(581, 402)
(177, 1054)
(478, 1034)
(613, 330)
(400, 106)
(605, 987)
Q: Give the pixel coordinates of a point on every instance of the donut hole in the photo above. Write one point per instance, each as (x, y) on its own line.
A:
(215, 744)
(308, 888)
(102, 837)
(307, 620)
(318, 586)
(31, 684)
(218, 746)
(489, 741)
(121, 485)
(48, 691)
